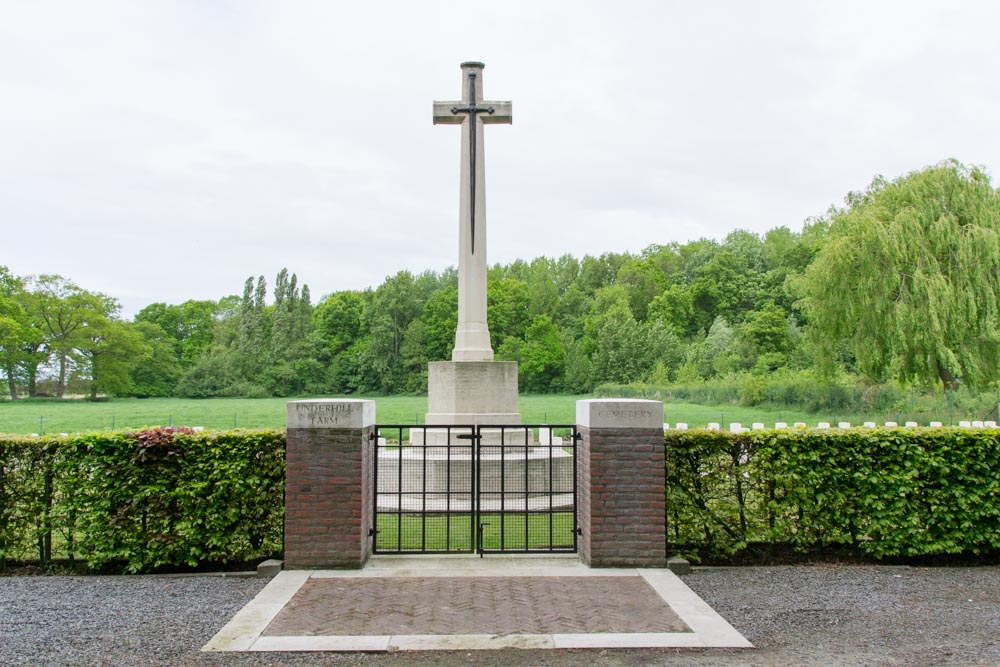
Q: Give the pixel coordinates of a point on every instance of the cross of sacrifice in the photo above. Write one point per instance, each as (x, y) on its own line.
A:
(472, 338)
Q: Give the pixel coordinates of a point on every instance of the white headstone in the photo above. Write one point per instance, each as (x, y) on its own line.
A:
(844, 425)
(870, 424)
(800, 424)
(780, 425)
(990, 424)
(891, 424)
(935, 424)
(682, 426)
(758, 426)
(911, 424)
(965, 424)
(713, 426)
(823, 425)
(977, 424)
(735, 427)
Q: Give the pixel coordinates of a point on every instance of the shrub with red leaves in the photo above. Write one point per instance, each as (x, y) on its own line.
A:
(157, 443)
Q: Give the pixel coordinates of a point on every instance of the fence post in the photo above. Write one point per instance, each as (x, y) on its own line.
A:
(328, 463)
(622, 481)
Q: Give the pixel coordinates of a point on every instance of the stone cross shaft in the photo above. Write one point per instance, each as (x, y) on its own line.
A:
(472, 338)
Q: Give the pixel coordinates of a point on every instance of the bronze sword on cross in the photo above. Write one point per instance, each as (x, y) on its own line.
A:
(456, 113)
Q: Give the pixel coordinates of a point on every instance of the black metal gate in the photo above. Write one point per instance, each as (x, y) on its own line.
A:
(482, 489)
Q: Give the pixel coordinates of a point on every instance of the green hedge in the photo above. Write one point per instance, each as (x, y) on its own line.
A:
(882, 492)
(142, 500)
(139, 501)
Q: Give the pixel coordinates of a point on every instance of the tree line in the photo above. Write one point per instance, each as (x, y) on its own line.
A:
(902, 282)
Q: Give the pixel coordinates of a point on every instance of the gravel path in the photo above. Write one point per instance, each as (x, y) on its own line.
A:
(819, 615)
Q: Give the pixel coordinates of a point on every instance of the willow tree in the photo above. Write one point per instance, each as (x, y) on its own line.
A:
(909, 278)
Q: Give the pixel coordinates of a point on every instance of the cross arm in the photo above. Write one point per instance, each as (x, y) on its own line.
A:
(502, 113)
(443, 115)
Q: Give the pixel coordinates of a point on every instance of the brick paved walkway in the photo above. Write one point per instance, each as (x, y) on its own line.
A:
(400, 603)
(475, 605)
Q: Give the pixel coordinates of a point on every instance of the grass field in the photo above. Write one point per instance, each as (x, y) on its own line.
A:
(68, 416)
(454, 533)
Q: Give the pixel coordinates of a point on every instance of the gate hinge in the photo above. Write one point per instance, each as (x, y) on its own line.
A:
(579, 531)
(577, 437)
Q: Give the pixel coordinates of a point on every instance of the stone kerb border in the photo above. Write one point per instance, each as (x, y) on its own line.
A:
(328, 474)
(621, 480)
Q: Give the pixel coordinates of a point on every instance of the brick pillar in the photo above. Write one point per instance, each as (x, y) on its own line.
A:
(328, 479)
(621, 483)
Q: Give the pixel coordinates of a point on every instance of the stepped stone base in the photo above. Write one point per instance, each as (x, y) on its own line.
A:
(491, 437)
(436, 479)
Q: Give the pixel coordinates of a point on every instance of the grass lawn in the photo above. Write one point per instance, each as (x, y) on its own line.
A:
(453, 533)
(67, 416)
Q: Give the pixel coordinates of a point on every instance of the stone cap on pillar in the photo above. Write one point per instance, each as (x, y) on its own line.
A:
(331, 413)
(619, 413)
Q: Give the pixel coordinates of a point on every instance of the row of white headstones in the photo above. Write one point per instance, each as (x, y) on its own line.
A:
(736, 427)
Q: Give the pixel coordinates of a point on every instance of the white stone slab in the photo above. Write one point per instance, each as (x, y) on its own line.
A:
(780, 425)
(468, 642)
(735, 427)
(711, 628)
(323, 643)
(630, 640)
(619, 413)
(935, 424)
(331, 413)
(247, 625)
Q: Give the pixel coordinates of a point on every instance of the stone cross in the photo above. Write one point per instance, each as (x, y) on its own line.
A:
(472, 337)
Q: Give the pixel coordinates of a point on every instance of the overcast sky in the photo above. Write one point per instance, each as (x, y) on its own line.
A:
(164, 151)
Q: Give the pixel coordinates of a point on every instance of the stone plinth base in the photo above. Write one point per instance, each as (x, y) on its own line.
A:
(472, 392)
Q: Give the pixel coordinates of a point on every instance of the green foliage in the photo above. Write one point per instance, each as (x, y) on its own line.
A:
(903, 283)
(143, 500)
(885, 492)
(909, 279)
(440, 318)
(191, 326)
(159, 374)
(542, 357)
